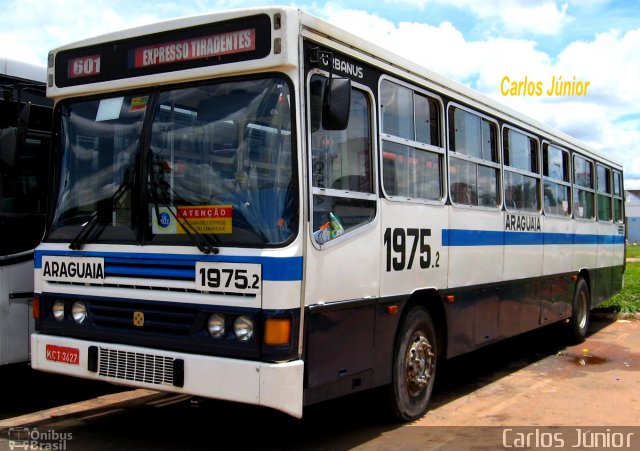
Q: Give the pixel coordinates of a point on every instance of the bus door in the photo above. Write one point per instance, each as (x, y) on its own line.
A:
(342, 269)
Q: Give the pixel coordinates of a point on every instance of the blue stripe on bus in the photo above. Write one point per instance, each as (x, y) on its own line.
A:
(461, 237)
(180, 266)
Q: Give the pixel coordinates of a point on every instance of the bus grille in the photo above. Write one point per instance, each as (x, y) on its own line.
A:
(159, 318)
(134, 366)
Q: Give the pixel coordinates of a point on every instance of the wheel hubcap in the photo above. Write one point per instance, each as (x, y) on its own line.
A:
(418, 364)
(582, 311)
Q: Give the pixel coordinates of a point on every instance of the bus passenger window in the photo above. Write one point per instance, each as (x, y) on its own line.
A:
(556, 187)
(522, 176)
(617, 197)
(604, 193)
(583, 192)
(474, 168)
(413, 161)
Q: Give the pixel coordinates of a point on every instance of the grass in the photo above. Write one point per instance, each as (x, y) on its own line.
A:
(633, 251)
(628, 300)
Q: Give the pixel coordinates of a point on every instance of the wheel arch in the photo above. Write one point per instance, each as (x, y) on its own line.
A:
(586, 275)
(431, 300)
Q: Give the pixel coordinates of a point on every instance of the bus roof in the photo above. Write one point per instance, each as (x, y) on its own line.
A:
(363, 49)
(25, 71)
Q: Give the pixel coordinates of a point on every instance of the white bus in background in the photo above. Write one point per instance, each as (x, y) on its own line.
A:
(25, 123)
(260, 207)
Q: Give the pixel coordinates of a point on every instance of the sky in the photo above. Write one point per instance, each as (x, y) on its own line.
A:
(490, 46)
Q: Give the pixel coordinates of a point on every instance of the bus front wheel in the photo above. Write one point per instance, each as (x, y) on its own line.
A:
(414, 366)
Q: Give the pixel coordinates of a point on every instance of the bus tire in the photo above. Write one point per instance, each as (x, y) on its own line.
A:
(579, 322)
(414, 366)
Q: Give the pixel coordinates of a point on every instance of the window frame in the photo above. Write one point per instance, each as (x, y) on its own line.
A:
(515, 170)
(547, 178)
(599, 193)
(441, 151)
(471, 159)
(617, 198)
(576, 188)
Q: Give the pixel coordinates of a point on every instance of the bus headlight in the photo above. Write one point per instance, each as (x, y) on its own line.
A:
(79, 312)
(215, 325)
(58, 310)
(243, 327)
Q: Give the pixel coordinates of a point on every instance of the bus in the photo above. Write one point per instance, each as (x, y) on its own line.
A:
(25, 123)
(259, 207)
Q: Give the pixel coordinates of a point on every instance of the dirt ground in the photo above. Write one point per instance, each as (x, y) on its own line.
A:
(529, 392)
(594, 383)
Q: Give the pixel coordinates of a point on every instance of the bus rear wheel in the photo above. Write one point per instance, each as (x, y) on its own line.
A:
(414, 366)
(579, 322)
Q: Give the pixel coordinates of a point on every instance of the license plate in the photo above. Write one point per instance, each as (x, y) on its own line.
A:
(238, 278)
(63, 354)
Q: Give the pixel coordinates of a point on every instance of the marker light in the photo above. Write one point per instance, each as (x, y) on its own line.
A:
(35, 308)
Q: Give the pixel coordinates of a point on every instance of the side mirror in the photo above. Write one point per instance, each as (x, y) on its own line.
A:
(336, 104)
(8, 146)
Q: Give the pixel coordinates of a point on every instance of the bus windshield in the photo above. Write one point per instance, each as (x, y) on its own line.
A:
(159, 167)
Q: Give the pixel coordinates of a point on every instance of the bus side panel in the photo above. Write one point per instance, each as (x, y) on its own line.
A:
(558, 246)
(476, 254)
(341, 289)
(413, 256)
(16, 279)
(339, 354)
(557, 293)
(520, 304)
(523, 252)
(604, 273)
(584, 248)
(482, 315)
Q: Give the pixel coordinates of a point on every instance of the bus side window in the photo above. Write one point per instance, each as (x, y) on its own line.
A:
(617, 197)
(474, 166)
(341, 170)
(412, 167)
(522, 175)
(583, 191)
(557, 189)
(604, 193)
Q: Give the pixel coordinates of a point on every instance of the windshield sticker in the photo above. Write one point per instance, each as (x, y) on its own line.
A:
(138, 104)
(163, 221)
(109, 109)
(208, 219)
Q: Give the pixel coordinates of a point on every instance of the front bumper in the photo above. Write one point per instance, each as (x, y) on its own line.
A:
(275, 385)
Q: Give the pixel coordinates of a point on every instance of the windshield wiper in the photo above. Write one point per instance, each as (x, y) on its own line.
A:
(98, 216)
(203, 242)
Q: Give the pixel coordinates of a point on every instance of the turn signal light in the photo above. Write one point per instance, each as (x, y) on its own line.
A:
(277, 332)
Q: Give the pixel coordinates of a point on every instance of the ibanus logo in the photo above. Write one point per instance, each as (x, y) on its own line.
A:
(345, 67)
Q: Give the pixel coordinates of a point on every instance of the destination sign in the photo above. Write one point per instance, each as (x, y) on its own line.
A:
(211, 44)
(191, 49)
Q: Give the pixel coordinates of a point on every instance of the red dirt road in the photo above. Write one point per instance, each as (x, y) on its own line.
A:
(594, 383)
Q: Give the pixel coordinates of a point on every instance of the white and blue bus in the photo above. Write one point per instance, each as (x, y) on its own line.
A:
(257, 206)
(25, 123)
